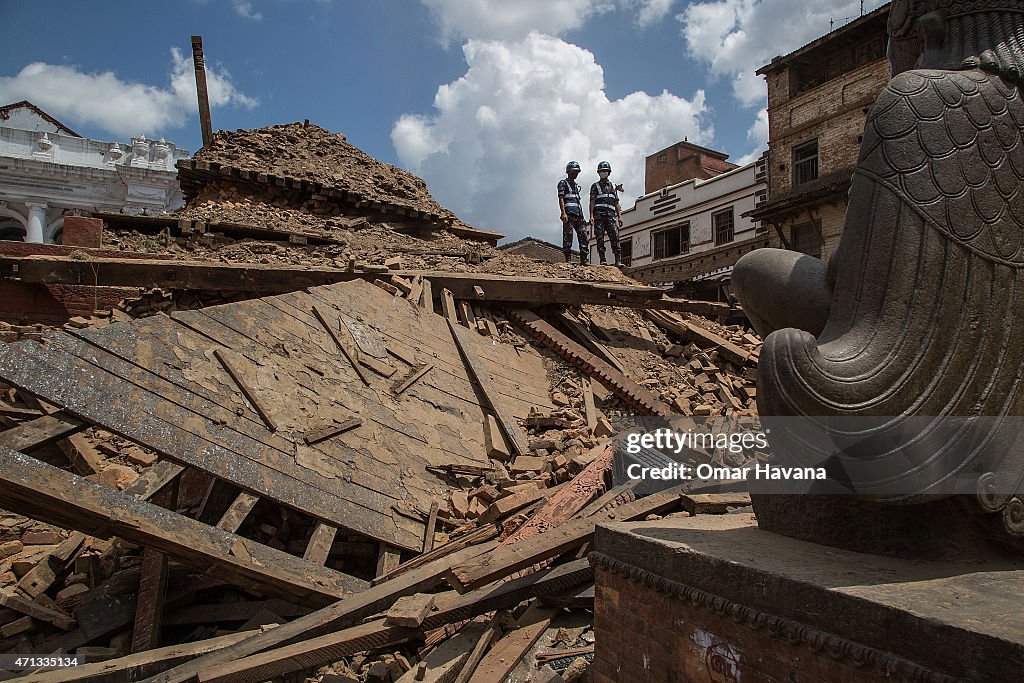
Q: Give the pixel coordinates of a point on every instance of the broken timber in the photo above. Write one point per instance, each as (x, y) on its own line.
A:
(57, 497)
(40, 432)
(703, 338)
(260, 279)
(512, 430)
(623, 387)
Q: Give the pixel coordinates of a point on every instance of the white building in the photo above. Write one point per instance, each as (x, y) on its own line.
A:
(48, 171)
(683, 223)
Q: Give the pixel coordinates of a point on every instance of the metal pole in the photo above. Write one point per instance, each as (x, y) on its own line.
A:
(204, 97)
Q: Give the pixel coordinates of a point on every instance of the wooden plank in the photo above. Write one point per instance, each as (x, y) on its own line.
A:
(40, 432)
(341, 614)
(511, 649)
(448, 306)
(269, 279)
(483, 378)
(322, 317)
(428, 533)
(476, 655)
(246, 390)
(154, 479)
(149, 608)
(414, 375)
(54, 496)
(319, 548)
(388, 559)
(136, 667)
(567, 501)
(582, 598)
(230, 612)
(588, 339)
(447, 659)
(480, 535)
(588, 404)
(466, 316)
(427, 298)
(231, 520)
(704, 338)
(11, 600)
(331, 430)
(380, 367)
(79, 452)
(216, 501)
(506, 560)
(315, 652)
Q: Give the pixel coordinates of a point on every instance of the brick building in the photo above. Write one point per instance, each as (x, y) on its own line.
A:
(681, 162)
(818, 99)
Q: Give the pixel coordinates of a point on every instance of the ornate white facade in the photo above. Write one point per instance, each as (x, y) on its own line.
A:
(48, 172)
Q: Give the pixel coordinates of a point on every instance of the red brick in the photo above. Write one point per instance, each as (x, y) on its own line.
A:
(80, 231)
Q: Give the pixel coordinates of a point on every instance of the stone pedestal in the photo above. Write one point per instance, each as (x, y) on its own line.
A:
(715, 598)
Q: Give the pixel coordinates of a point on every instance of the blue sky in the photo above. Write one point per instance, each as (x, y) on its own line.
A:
(486, 99)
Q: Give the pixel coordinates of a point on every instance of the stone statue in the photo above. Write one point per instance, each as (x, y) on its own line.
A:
(919, 313)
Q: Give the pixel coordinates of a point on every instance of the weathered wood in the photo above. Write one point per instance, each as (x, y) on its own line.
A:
(428, 533)
(319, 548)
(231, 520)
(380, 367)
(414, 375)
(427, 297)
(448, 306)
(246, 390)
(410, 610)
(588, 404)
(149, 607)
(216, 501)
(42, 491)
(40, 432)
(481, 535)
(317, 651)
(446, 660)
(466, 316)
(331, 430)
(588, 339)
(510, 650)
(324, 320)
(704, 338)
(13, 601)
(82, 455)
(483, 378)
(567, 501)
(269, 279)
(476, 655)
(388, 559)
(341, 614)
(582, 598)
(229, 612)
(506, 560)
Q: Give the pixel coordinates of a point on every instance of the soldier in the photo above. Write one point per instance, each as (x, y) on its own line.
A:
(605, 212)
(572, 213)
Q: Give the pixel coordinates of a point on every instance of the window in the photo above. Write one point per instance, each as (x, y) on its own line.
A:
(626, 252)
(805, 163)
(806, 238)
(671, 241)
(11, 230)
(724, 226)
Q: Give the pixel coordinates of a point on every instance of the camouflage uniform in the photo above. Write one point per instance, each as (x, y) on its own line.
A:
(605, 219)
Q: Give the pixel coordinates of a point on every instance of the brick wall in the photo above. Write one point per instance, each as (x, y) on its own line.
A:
(833, 113)
(27, 303)
(680, 163)
(80, 231)
(645, 636)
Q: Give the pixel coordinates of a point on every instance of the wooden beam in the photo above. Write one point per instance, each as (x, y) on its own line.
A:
(492, 632)
(316, 652)
(319, 547)
(341, 614)
(510, 650)
(322, 317)
(589, 407)
(331, 430)
(54, 496)
(236, 513)
(149, 608)
(466, 316)
(388, 559)
(413, 376)
(704, 338)
(479, 372)
(506, 560)
(246, 390)
(428, 533)
(448, 306)
(260, 279)
(40, 432)
(427, 298)
(154, 479)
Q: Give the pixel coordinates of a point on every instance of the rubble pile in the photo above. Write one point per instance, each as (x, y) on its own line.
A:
(309, 152)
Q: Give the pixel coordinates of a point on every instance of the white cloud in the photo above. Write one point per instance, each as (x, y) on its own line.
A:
(119, 107)
(757, 135)
(244, 9)
(649, 12)
(736, 37)
(505, 20)
(500, 136)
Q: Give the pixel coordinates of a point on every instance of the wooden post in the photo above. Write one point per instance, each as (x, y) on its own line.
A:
(204, 97)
